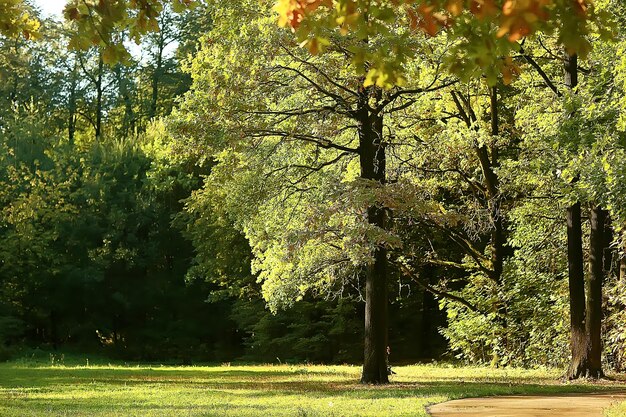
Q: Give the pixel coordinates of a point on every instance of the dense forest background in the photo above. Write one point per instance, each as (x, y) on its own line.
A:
(97, 252)
(201, 201)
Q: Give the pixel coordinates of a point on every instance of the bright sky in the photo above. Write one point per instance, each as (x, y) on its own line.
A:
(54, 8)
(51, 7)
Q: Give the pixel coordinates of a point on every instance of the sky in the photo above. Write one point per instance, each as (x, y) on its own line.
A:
(51, 7)
(54, 8)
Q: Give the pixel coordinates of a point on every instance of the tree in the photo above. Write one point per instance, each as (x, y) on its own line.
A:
(158, 42)
(484, 33)
(85, 226)
(311, 193)
(585, 300)
(580, 139)
(101, 23)
(576, 275)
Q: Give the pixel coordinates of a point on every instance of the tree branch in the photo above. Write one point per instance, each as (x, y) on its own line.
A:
(336, 97)
(427, 89)
(319, 71)
(321, 142)
(437, 292)
(541, 72)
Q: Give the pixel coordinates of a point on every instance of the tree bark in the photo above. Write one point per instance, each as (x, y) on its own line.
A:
(578, 339)
(498, 237)
(593, 323)
(373, 167)
(579, 364)
(608, 239)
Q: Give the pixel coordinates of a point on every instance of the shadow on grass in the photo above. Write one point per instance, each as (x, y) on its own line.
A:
(105, 392)
(263, 382)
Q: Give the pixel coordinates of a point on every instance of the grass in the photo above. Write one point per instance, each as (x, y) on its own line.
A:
(618, 410)
(36, 389)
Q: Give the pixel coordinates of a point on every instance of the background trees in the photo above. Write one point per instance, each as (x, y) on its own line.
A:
(154, 204)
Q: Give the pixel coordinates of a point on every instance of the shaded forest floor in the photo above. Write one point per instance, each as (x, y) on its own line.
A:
(37, 389)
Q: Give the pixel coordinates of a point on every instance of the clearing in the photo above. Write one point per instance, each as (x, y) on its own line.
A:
(34, 389)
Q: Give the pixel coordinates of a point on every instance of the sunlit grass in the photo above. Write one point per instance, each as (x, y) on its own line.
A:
(286, 390)
(618, 410)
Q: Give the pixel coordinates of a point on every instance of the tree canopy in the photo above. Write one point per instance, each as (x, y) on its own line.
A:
(483, 35)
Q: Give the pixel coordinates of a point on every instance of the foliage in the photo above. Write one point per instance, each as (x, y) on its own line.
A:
(139, 201)
(100, 23)
(16, 19)
(534, 330)
(483, 35)
(615, 324)
(310, 331)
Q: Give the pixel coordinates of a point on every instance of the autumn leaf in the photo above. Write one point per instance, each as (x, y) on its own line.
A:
(581, 7)
(71, 13)
(427, 19)
(510, 71)
(483, 8)
(520, 17)
(455, 7)
(292, 12)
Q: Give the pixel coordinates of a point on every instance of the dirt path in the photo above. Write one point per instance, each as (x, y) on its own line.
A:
(565, 405)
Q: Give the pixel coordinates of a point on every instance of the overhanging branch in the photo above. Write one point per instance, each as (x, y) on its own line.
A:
(437, 292)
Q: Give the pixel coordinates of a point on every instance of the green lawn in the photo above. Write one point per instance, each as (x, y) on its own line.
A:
(618, 410)
(28, 389)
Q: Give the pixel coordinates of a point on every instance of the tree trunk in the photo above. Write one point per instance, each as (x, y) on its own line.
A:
(622, 266)
(372, 161)
(571, 71)
(578, 339)
(498, 233)
(72, 107)
(608, 239)
(99, 92)
(488, 159)
(488, 163)
(498, 237)
(128, 125)
(579, 364)
(156, 76)
(593, 324)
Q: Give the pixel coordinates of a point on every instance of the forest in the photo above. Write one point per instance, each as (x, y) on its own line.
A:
(189, 182)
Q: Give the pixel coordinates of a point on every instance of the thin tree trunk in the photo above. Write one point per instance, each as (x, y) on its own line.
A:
(99, 94)
(373, 165)
(129, 115)
(498, 238)
(488, 159)
(608, 239)
(71, 120)
(498, 234)
(156, 76)
(622, 265)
